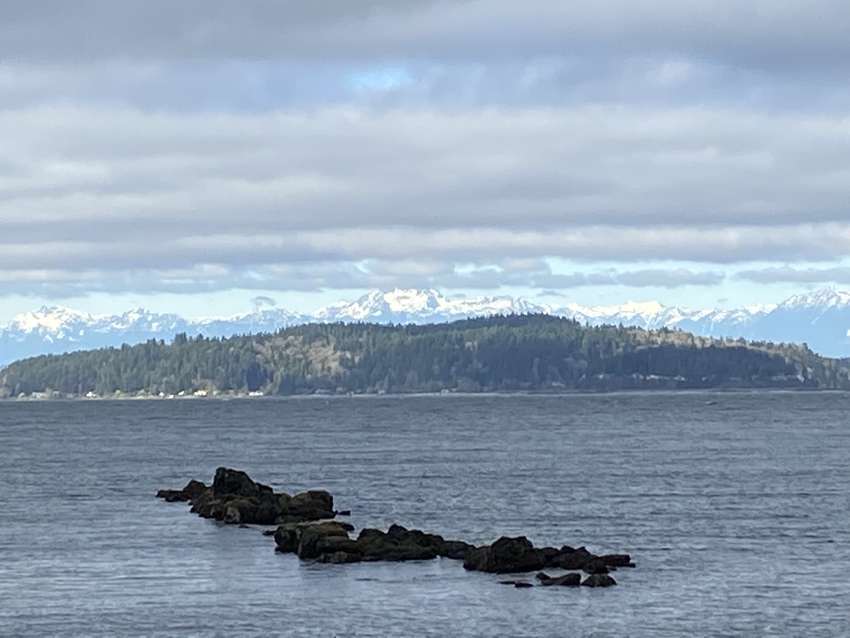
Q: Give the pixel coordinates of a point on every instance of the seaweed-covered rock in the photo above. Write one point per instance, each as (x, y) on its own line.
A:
(329, 542)
(236, 483)
(237, 499)
(515, 555)
(506, 556)
(570, 558)
(596, 566)
(310, 540)
(325, 538)
(599, 580)
(399, 544)
(304, 528)
(313, 505)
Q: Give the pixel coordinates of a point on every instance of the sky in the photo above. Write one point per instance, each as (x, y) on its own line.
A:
(196, 156)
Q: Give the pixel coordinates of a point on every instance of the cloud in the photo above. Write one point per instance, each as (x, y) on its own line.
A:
(451, 143)
(331, 275)
(773, 35)
(263, 302)
(672, 278)
(788, 274)
(87, 188)
(189, 174)
(650, 278)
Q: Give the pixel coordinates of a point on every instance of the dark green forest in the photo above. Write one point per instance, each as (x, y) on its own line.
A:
(513, 353)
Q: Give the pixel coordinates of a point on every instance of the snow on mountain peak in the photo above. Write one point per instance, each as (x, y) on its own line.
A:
(824, 298)
(400, 300)
(646, 308)
(822, 318)
(49, 319)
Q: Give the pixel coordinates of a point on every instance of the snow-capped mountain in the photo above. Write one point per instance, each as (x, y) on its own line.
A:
(420, 306)
(258, 320)
(822, 319)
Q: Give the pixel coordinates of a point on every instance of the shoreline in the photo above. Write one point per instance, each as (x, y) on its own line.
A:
(442, 394)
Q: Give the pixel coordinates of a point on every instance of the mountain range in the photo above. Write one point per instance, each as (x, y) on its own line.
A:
(821, 319)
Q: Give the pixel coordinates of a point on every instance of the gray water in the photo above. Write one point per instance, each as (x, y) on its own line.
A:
(734, 506)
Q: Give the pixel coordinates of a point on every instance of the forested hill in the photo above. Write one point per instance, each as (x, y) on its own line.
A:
(518, 352)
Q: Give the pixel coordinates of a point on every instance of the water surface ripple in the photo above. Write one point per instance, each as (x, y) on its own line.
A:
(735, 507)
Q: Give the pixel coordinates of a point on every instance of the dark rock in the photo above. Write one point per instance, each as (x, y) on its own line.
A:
(343, 513)
(617, 560)
(313, 505)
(456, 550)
(237, 499)
(595, 566)
(286, 538)
(340, 558)
(192, 490)
(567, 580)
(506, 556)
(569, 558)
(599, 580)
(235, 483)
(326, 542)
(324, 538)
(399, 544)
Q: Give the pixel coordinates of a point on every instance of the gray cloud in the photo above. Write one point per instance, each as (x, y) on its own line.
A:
(672, 278)
(308, 277)
(207, 146)
(766, 34)
(656, 277)
(108, 189)
(74, 173)
(262, 301)
(788, 274)
(260, 86)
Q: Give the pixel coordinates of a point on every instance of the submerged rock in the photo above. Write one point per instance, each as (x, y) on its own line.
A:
(599, 580)
(567, 580)
(519, 584)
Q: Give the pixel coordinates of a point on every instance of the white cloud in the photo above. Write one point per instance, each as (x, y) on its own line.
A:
(785, 274)
(114, 189)
(455, 143)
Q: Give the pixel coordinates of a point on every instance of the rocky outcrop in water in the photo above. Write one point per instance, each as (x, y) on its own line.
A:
(331, 543)
(235, 498)
(598, 580)
(304, 528)
(516, 555)
(192, 490)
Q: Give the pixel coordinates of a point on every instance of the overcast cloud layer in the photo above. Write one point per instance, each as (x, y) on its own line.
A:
(343, 144)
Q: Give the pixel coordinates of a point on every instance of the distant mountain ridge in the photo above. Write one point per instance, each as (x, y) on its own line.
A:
(821, 319)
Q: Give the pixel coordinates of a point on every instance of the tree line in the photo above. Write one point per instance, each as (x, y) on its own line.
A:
(501, 353)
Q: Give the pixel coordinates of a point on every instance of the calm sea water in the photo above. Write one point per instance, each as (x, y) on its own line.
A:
(734, 506)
